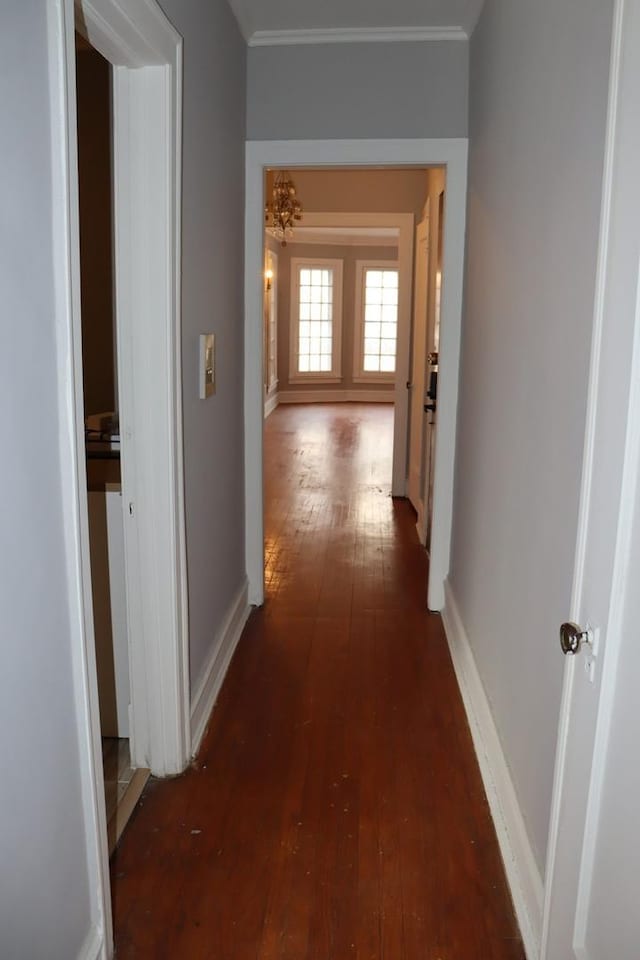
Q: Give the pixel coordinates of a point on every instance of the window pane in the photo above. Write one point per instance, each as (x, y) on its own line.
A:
(315, 330)
(390, 296)
(373, 330)
(380, 327)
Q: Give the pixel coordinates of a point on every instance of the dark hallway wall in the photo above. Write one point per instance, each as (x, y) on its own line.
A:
(94, 168)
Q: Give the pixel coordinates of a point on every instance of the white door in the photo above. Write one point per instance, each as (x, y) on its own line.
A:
(592, 893)
(433, 347)
(417, 436)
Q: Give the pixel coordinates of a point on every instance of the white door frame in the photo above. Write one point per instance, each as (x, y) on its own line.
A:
(147, 171)
(262, 154)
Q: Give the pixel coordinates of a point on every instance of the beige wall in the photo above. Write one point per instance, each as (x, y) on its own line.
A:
(359, 191)
(349, 255)
(94, 167)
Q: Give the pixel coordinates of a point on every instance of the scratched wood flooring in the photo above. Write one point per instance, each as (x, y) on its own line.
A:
(335, 810)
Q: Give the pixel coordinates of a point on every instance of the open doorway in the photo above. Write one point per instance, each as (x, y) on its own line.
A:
(352, 314)
(123, 782)
(323, 154)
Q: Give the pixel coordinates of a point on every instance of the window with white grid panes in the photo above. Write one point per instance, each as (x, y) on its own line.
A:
(377, 320)
(316, 303)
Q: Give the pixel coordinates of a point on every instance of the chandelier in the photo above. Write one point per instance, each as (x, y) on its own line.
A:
(284, 209)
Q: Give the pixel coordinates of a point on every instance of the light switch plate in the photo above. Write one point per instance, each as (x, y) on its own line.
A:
(207, 365)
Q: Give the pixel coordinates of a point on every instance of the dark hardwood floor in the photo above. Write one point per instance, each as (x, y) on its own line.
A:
(336, 809)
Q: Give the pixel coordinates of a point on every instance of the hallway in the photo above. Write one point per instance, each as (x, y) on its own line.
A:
(335, 809)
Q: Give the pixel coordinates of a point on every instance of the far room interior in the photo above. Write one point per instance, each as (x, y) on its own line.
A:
(351, 316)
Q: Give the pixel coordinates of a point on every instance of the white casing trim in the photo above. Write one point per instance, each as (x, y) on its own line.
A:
(449, 153)
(147, 215)
(523, 875)
(68, 360)
(335, 396)
(93, 947)
(281, 38)
(215, 669)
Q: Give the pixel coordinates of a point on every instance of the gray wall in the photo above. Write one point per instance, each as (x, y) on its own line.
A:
(357, 91)
(349, 255)
(539, 77)
(44, 902)
(212, 300)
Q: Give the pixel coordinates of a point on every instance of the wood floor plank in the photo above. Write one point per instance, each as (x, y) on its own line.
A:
(336, 809)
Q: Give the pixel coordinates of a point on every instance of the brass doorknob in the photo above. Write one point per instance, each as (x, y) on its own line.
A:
(571, 638)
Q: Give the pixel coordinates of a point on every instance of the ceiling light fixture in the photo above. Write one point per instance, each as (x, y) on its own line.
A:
(284, 209)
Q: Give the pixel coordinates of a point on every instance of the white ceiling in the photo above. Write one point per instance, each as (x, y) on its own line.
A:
(278, 16)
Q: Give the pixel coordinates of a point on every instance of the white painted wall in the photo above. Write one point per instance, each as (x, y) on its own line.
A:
(45, 911)
(538, 82)
(358, 90)
(212, 299)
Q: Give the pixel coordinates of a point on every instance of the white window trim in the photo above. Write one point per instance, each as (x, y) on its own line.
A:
(360, 375)
(335, 374)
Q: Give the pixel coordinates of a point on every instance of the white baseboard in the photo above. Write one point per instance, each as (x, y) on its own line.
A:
(214, 672)
(93, 947)
(335, 396)
(270, 404)
(523, 875)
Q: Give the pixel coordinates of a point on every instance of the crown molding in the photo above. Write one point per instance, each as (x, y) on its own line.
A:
(341, 240)
(281, 38)
(335, 237)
